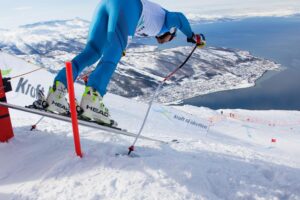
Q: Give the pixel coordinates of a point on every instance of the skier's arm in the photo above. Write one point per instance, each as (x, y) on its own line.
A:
(178, 20)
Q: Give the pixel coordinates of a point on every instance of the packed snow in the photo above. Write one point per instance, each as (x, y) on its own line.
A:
(223, 154)
(233, 160)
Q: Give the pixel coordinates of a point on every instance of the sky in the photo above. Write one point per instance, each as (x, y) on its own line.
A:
(19, 12)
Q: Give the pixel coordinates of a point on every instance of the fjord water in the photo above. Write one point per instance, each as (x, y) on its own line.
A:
(274, 38)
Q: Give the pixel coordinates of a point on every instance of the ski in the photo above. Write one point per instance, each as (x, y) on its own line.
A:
(78, 117)
(80, 122)
(125, 154)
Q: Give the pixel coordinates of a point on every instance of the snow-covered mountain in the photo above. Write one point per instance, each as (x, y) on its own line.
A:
(50, 44)
(237, 154)
(234, 15)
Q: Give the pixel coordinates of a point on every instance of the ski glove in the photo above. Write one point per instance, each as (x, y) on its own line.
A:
(198, 39)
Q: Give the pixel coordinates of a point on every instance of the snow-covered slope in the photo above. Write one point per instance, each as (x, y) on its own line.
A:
(50, 44)
(232, 158)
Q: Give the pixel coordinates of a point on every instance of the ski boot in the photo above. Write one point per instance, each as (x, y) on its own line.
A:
(56, 102)
(93, 108)
(40, 103)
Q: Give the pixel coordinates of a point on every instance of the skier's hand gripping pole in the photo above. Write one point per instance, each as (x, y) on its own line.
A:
(198, 39)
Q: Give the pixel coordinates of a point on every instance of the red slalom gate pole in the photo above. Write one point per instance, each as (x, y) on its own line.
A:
(73, 108)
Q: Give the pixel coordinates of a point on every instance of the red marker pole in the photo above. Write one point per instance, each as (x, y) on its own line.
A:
(73, 108)
(6, 130)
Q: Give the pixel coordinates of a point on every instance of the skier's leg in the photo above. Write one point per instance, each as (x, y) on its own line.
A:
(94, 48)
(87, 57)
(100, 78)
(91, 54)
(92, 100)
(56, 95)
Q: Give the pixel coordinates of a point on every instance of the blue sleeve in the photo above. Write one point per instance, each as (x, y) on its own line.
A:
(178, 20)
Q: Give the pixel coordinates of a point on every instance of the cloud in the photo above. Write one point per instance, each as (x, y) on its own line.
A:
(21, 8)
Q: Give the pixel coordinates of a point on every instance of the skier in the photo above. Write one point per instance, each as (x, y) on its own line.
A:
(114, 22)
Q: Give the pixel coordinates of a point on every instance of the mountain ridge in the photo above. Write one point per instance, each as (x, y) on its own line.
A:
(212, 69)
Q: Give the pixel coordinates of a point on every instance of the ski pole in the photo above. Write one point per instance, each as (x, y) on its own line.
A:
(131, 148)
(33, 127)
